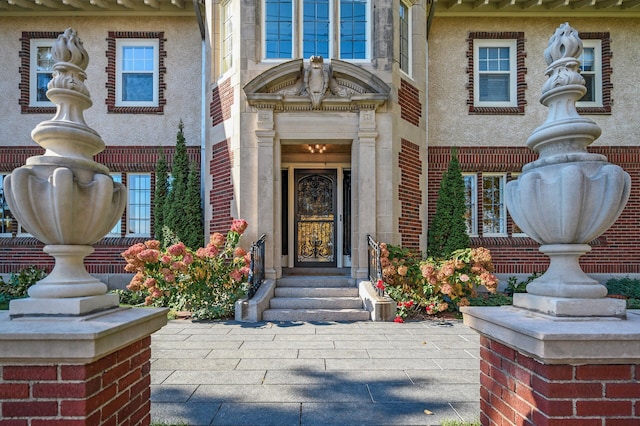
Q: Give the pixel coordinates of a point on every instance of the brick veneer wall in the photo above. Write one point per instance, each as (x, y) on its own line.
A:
(410, 194)
(221, 193)
(221, 102)
(616, 251)
(19, 252)
(518, 390)
(409, 100)
(113, 390)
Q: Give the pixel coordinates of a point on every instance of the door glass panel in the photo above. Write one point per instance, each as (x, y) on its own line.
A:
(315, 218)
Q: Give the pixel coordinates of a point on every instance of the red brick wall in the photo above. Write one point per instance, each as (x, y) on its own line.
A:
(19, 252)
(113, 390)
(518, 390)
(221, 101)
(409, 100)
(221, 193)
(410, 194)
(616, 251)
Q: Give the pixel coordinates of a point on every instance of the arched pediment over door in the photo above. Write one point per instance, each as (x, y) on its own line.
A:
(317, 85)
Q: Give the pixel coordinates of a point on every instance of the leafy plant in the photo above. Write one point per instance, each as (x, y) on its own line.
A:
(492, 299)
(515, 286)
(207, 282)
(130, 298)
(19, 283)
(626, 286)
(162, 187)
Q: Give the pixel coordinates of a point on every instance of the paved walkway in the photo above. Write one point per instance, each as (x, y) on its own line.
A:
(315, 373)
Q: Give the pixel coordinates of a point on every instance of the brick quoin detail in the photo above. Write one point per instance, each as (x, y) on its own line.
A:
(18, 252)
(113, 390)
(221, 102)
(616, 251)
(221, 194)
(410, 195)
(518, 390)
(409, 100)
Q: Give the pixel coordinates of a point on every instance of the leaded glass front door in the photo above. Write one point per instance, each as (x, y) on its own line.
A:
(315, 218)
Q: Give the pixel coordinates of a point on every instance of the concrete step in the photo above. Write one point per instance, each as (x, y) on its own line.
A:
(316, 291)
(316, 315)
(316, 281)
(316, 303)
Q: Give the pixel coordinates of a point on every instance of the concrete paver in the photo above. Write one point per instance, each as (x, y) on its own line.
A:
(314, 373)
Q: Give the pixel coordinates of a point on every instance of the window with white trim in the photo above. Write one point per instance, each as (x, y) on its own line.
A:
(137, 72)
(405, 37)
(327, 28)
(117, 229)
(6, 219)
(493, 207)
(591, 71)
(495, 74)
(41, 71)
(516, 231)
(139, 205)
(227, 37)
(470, 200)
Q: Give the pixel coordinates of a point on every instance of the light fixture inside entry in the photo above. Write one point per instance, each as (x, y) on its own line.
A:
(317, 148)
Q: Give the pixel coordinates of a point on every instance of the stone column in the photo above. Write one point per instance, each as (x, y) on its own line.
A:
(266, 201)
(564, 354)
(364, 184)
(68, 353)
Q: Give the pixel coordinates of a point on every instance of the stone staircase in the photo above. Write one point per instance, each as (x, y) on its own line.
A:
(316, 298)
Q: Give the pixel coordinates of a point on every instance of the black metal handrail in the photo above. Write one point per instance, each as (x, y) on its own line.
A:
(256, 267)
(375, 266)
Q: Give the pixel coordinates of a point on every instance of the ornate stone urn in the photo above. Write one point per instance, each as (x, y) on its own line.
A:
(568, 197)
(64, 198)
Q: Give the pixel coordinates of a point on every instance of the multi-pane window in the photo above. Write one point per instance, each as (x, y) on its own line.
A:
(137, 72)
(304, 28)
(516, 231)
(227, 37)
(116, 231)
(495, 72)
(404, 37)
(493, 207)
(470, 197)
(6, 220)
(41, 71)
(139, 204)
(591, 71)
(353, 29)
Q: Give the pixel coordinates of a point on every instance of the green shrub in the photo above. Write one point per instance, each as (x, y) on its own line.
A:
(130, 298)
(20, 282)
(629, 287)
(515, 286)
(496, 299)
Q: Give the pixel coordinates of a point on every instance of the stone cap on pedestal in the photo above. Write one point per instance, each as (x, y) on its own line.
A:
(558, 340)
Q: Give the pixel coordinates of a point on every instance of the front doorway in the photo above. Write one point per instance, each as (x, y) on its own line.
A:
(315, 218)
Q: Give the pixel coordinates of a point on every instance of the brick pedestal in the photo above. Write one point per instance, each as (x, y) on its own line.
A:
(537, 370)
(89, 371)
(516, 389)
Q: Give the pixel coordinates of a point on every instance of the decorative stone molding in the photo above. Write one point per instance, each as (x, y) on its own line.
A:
(337, 86)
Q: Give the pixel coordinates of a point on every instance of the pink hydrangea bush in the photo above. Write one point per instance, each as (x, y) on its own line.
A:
(435, 286)
(207, 282)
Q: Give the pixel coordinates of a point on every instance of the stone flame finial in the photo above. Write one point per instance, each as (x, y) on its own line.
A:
(561, 55)
(71, 61)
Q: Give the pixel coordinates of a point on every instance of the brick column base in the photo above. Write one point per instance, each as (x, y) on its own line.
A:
(113, 390)
(516, 389)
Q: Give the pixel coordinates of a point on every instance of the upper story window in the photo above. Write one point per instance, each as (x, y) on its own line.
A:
(595, 67)
(41, 72)
(135, 72)
(227, 37)
(496, 74)
(405, 40)
(304, 28)
(36, 69)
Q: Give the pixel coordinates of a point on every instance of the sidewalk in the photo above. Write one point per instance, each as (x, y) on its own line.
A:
(294, 373)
